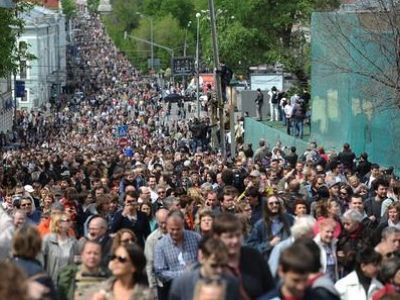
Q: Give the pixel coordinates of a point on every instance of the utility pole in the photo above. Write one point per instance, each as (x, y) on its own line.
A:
(217, 76)
(198, 66)
(152, 44)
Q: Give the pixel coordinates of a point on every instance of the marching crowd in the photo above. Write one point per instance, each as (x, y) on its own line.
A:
(84, 217)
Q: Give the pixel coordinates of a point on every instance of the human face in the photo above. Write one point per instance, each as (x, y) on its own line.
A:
(96, 229)
(206, 224)
(161, 217)
(146, 209)
(161, 193)
(334, 209)
(131, 202)
(357, 204)
(326, 234)
(175, 229)
(294, 284)
(26, 205)
(120, 264)
(354, 182)
(212, 200)
(152, 183)
(127, 238)
(233, 240)
(344, 195)
(91, 256)
(381, 191)
(375, 172)
(320, 182)
(370, 270)
(300, 210)
(273, 205)
(393, 241)
(211, 266)
(113, 206)
(393, 215)
(252, 200)
(350, 226)
(145, 194)
(19, 219)
(219, 179)
(8, 199)
(228, 202)
(64, 224)
(334, 190)
(47, 201)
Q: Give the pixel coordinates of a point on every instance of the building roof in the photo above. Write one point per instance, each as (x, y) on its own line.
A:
(39, 15)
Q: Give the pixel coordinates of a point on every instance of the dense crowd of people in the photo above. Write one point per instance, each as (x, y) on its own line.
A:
(165, 216)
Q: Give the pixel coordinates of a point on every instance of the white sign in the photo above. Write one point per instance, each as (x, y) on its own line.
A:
(266, 82)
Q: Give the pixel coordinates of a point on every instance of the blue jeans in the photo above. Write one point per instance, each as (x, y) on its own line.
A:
(299, 127)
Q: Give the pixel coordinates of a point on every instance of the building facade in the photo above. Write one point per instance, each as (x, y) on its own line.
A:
(6, 104)
(44, 37)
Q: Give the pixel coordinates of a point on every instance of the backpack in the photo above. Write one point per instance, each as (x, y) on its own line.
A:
(275, 98)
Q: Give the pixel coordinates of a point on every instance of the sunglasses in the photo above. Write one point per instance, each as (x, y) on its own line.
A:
(26, 204)
(390, 254)
(215, 266)
(127, 241)
(120, 259)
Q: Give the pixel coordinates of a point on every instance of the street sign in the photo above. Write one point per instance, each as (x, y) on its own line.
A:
(20, 88)
(122, 131)
(183, 66)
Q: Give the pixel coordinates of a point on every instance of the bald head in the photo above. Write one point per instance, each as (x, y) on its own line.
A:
(161, 217)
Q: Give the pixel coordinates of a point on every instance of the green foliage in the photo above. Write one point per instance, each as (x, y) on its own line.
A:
(167, 32)
(10, 27)
(68, 8)
(250, 32)
(93, 5)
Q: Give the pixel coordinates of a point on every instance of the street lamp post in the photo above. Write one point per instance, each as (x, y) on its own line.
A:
(185, 44)
(151, 39)
(198, 15)
(217, 76)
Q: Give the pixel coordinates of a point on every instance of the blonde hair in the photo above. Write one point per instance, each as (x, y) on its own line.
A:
(55, 222)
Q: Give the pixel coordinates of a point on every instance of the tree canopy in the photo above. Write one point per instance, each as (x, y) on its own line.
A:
(10, 27)
(250, 32)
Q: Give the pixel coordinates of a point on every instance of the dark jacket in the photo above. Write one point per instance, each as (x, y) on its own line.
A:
(255, 274)
(140, 227)
(34, 270)
(183, 287)
(260, 98)
(260, 236)
(276, 294)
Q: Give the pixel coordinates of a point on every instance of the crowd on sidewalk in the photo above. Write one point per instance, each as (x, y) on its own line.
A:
(165, 216)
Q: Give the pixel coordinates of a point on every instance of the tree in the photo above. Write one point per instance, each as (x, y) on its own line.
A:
(167, 32)
(10, 27)
(181, 10)
(68, 8)
(93, 5)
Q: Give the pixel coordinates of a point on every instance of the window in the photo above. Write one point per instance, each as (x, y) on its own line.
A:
(22, 69)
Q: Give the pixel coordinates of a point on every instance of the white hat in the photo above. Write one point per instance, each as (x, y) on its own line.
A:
(28, 188)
